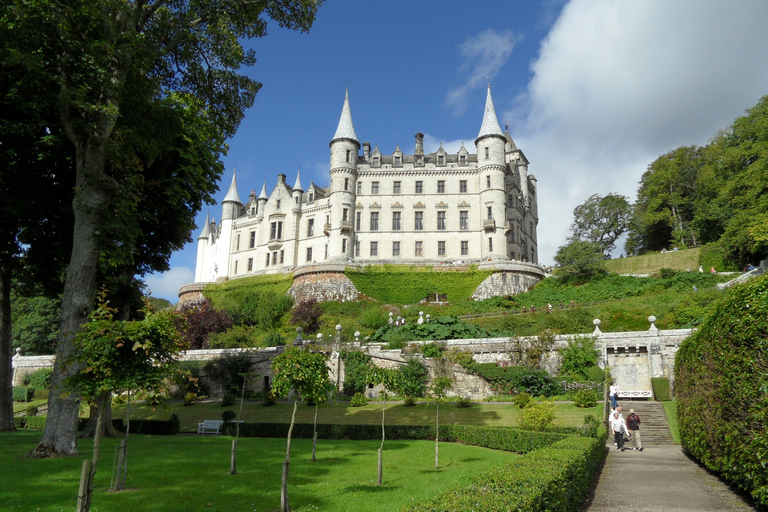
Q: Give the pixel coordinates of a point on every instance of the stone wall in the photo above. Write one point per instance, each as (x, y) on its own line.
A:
(323, 283)
(508, 279)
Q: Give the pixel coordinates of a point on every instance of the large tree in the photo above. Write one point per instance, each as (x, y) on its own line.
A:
(107, 55)
(601, 220)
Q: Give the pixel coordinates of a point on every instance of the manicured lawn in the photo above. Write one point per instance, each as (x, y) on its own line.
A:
(22, 406)
(488, 414)
(191, 473)
(670, 409)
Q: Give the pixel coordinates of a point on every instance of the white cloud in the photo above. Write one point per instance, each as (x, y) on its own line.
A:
(617, 84)
(483, 56)
(432, 144)
(167, 284)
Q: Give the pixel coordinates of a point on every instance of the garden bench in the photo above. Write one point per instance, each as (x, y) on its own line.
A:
(635, 394)
(207, 426)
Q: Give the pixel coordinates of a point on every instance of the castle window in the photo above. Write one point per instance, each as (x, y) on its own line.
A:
(441, 160)
(463, 159)
(282, 255)
(490, 213)
(348, 152)
(343, 246)
(418, 221)
(374, 248)
(441, 248)
(357, 248)
(464, 248)
(531, 228)
(487, 182)
(396, 188)
(238, 242)
(490, 244)
(250, 264)
(278, 203)
(441, 221)
(346, 183)
(252, 243)
(359, 187)
(511, 201)
(235, 267)
(419, 249)
(309, 254)
(374, 221)
(376, 161)
(276, 232)
(358, 220)
(345, 215)
(441, 187)
(463, 186)
(487, 154)
(395, 248)
(274, 258)
(374, 187)
(311, 197)
(398, 162)
(267, 260)
(396, 216)
(463, 220)
(296, 199)
(311, 227)
(326, 251)
(419, 187)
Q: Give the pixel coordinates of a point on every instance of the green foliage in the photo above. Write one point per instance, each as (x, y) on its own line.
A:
(35, 324)
(555, 478)
(660, 387)
(442, 328)
(601, 220)
(414, 379)
(273, 339)
(721, 388)
(253, 307)
(408, 285)
(433, 349)
(39, 379)
(239, 336)
(585, 398)
(459, 356)
(306, 314)
(30, 422)
(464, 403)
(31, 411)
(522, 399)
(580, 259)
(229, 399)
(515, 379)
(374, 318)
(357, 366)
(169, 427)
(228, 373)
(596, 374)
(537, 416)
(226, 295)
(228, 415)
(191, 398)
(714, 255)
(579, 357)
(358, 400)
(302, 371)
(22, 394)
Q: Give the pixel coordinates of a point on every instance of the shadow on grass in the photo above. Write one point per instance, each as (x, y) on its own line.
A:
(370, 488)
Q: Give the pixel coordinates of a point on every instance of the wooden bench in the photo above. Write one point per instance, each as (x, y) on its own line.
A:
(209, 426)
(635, 394)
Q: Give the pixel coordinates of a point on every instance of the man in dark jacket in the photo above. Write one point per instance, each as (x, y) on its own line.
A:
(633, 424)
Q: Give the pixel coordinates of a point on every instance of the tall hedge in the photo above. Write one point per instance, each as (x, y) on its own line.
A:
(721, 387)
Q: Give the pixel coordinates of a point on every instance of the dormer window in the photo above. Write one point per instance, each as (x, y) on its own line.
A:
(463, 159)
(441, 160)
(398, 161)
(376, 161)
(311, 197)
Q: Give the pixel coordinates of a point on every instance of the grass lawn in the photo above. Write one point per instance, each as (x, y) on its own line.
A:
(22, 406)
(653, 262)
(488, 414)
(670, 409)
(191, 473)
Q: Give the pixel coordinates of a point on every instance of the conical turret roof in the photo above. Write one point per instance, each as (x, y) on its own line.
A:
(206, 227)
(345, 129)
(490, 124)
(232, 194)
(297, 185)
(263, 193)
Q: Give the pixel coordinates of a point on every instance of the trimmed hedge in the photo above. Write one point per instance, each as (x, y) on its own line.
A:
(167, 427)
(721, 386)
(497, 438)
(23, 394)
(660, 387)
(555, 478)
(30, 422)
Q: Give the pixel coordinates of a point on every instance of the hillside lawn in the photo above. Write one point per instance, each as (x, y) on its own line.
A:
(191, 473)
(653, 262)
(341, 413)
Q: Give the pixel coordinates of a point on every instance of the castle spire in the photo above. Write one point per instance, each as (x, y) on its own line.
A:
(206, 227)
(263, 193)
(490, 124)
(232, 194)
(297, 185)
(345, 129)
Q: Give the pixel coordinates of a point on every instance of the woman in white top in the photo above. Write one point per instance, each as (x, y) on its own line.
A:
(614, 391)
(618, 426)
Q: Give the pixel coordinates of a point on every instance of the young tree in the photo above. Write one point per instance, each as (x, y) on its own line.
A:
(580, 259)
(601, 220)
(437, 391)
(391, 380)
(120, 356)
(306, 374)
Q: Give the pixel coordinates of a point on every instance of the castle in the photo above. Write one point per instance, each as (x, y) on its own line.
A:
(402, 209)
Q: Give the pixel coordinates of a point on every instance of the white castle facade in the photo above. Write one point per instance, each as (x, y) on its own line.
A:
(402, 209)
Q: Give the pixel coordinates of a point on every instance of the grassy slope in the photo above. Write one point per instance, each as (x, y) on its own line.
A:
(653, 262)
(190, 473)
(670, 410)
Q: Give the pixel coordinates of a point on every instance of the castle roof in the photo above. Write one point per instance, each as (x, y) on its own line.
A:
(263, 193)
(206, 227)
(232, 194)
(297, 185)
(345, 129)
(490, 124)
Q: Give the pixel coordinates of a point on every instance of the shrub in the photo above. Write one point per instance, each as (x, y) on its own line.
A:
(660, 387)
(226, 374)
(273, 339)
(228, 400)
(414, 382)
(201, 320)
(579, 356)
(409, 401)
(585, 398)
(356, 367)
(358, 400)
(442, 328)
(167, 427)
(459, 356)
(228, 415)
(522, 399)
(191, 399)
(596, 374)
(463, 403)
(721, 386)
(374, 318)
(31, 410)
(39, 379)
(23, 394)
(537, 416)
(306, 314)
(269, 400)
(516, 379)
(35, 422)
(239, 336)
(433, 349)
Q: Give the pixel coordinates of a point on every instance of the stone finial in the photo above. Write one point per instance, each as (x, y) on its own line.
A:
(390, 322)
(357, 336)
(653, 328)
(428, 317)
(18, 352)
(421, 318)
(319, 336)
(596, 322)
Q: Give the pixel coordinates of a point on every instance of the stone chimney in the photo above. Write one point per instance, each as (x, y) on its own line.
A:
(419, 144)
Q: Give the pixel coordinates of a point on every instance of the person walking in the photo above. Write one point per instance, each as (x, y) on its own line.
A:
(618, 426)
(613, 393)
(633, 424)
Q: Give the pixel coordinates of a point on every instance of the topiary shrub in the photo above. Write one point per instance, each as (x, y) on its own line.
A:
(537, 416)
(228, 400)
(463, 403)
(358, 400)
(31, 411)
(660, 387)
(228, 415)
(23, 394)
(596, 374)
(721, 387)
(584, 398)
(409, 401)
(522, 399)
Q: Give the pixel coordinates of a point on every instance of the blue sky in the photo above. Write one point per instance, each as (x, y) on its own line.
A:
(593, 90)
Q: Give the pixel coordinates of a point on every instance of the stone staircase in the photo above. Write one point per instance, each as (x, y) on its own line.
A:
(654, 428)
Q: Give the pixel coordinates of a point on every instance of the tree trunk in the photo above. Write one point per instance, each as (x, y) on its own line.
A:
(232, 461)
(286, 464)
(84, 502)
(437, 436)
(93, 418)
(6, 348)
(314, 436)
(122, 463)
(383, 409)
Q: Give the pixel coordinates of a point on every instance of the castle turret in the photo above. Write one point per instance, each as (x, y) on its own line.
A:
(491, 164)
(203, 243)
(231, 206)
(296, 193)
(262, 201)
(344, 153)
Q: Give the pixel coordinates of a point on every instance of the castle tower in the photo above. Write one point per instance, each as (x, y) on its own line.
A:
(344, 153)
(262, 201)
(231, 206)
(491, 165)
(296, 193)
(231, 209)
(203, 244)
